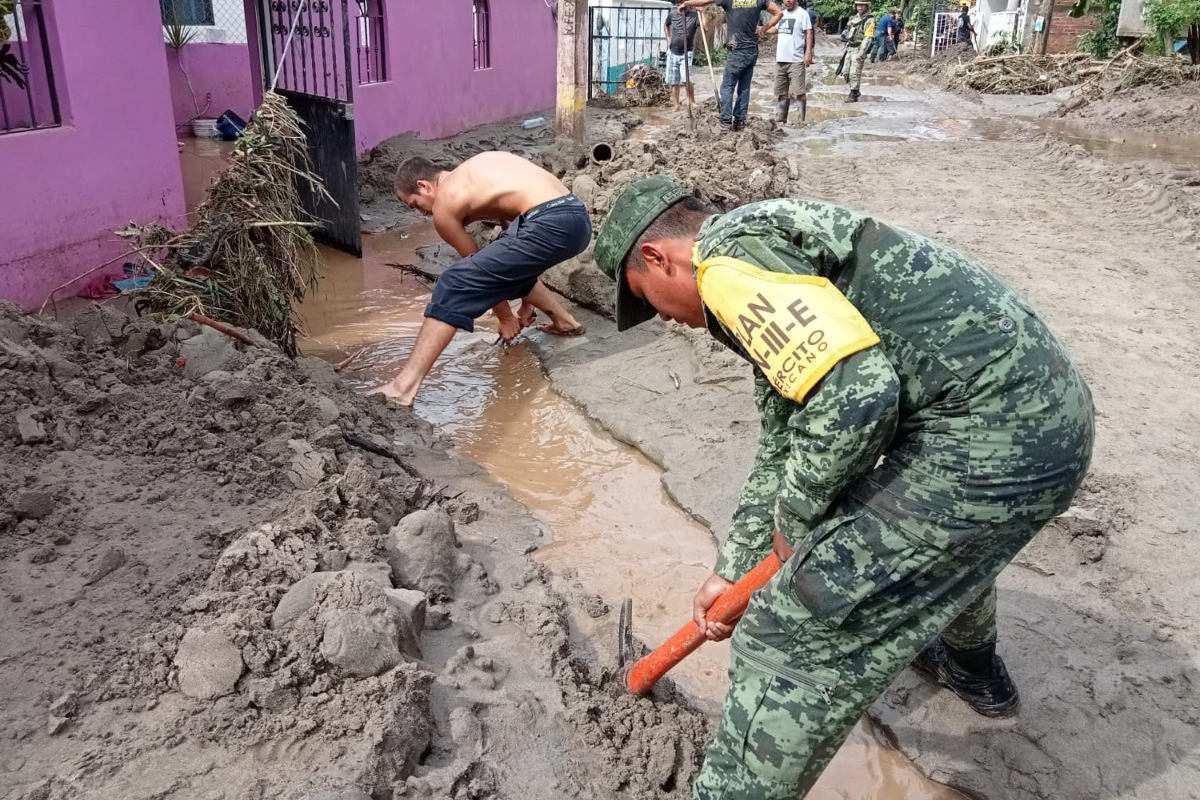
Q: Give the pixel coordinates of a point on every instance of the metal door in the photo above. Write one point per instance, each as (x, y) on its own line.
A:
(313, 71)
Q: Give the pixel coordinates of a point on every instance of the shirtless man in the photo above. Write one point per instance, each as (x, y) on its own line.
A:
(544, 225)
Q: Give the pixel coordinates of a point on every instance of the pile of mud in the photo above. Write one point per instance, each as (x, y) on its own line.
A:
(1148, 108)
(725, 169)
(209, 592)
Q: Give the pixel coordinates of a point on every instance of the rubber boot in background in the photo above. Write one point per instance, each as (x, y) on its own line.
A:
(781, 110)
(803, 108)
(854, 95)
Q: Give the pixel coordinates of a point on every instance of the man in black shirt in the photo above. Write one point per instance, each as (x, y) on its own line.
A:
(966, 31)
(743, 25)
(680, 32)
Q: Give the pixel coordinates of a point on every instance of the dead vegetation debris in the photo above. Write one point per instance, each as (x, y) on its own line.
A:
(1027, 73)
(249, 253)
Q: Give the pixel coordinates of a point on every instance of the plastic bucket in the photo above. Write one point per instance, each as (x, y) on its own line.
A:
(205, 129)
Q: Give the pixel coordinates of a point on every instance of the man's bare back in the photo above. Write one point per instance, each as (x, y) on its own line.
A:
(494, 186)
(554, 226)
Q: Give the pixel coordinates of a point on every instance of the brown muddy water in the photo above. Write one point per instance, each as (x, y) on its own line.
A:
(613, 526)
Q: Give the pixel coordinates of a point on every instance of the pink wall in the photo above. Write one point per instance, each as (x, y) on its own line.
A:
(114, 159)
(434, 89)
(220, 69)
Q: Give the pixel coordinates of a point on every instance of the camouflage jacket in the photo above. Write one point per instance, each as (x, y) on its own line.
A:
(968, 412)
(857, 28)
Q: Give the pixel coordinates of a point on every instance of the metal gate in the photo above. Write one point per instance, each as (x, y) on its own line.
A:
(620, 38)
(315, 74)
(943, 32)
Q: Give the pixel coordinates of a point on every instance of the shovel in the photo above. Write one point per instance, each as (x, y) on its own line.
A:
(641, 674)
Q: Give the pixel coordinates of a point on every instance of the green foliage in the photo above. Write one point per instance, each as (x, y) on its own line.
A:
(1005, 43)
(719, 56)
(919, 16)
(1101, 42)
(1171, 19)
(178, 35)
(834, 9)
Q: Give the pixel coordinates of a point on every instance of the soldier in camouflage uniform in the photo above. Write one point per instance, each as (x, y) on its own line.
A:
(858, 37)
(920, 423)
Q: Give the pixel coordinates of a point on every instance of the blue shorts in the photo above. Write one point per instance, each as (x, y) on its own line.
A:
(508, 268)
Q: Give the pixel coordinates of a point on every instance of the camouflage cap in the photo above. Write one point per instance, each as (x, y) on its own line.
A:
(639, 204)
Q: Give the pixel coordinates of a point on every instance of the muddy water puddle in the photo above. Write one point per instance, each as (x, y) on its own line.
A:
(613, 525)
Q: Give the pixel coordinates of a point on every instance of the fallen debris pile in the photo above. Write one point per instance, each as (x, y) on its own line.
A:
(249, 253)
(644, 87)
(1027, 73)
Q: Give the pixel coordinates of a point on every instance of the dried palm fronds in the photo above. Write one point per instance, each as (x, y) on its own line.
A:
(249, 254)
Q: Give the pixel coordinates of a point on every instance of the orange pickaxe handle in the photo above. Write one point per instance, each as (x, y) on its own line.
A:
(728, 609)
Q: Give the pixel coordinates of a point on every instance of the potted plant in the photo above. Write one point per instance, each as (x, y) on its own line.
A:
(178, 36)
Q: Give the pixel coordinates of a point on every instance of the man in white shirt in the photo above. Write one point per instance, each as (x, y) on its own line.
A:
(793, 54)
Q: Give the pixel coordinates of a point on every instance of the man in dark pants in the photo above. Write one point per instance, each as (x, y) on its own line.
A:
(966, 31)
(743, 23)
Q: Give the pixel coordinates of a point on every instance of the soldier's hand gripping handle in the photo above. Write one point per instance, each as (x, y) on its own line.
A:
(727, 608)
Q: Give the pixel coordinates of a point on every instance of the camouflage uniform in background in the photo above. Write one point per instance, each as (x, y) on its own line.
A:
(905, 481)
(859, 46)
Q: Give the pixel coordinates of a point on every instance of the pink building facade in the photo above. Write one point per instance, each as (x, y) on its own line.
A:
(431, 68)
(111, 158)
(91, 145)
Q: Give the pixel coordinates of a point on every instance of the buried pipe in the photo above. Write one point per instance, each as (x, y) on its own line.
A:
(602, 152)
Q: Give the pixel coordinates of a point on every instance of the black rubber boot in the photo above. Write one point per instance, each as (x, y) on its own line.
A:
(854, 95)
(976, 675)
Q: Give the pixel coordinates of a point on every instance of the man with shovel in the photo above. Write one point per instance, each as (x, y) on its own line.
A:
(919, 424)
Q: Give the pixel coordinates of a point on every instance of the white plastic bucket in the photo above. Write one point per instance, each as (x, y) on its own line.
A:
(205, 129)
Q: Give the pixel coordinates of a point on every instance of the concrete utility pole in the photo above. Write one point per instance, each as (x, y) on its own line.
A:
(572, 69)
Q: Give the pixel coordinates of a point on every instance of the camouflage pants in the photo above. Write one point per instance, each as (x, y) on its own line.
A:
(856, 67)
(848, 611)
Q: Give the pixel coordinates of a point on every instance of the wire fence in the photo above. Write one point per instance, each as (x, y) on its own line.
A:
(212, 21)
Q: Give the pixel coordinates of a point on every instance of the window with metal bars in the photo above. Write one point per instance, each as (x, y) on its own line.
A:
(28, 95)
(187, 12)
(483, 34)
(372, 63)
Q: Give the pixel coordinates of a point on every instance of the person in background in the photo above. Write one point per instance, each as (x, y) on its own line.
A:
(884, 30)
(857, 36)
(680, 32)
(742, 24)
(793, 56)
(898, 26)
(966, 31)
(813, 19)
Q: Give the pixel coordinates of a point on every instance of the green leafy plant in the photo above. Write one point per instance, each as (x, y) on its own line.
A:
(719, 56)
(834, 9)
(1005, 43)
(1101, 42)
(1171, 19)
(178, 36)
